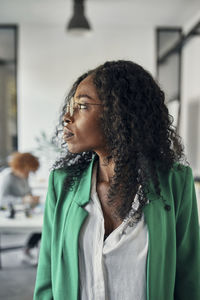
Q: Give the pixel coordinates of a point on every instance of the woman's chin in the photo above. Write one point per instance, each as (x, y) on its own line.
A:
(72, 148)
(75, 149)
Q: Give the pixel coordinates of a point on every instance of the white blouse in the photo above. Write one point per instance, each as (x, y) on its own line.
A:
(114, 269)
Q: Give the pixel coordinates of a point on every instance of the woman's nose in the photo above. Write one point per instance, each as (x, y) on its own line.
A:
(67, 118)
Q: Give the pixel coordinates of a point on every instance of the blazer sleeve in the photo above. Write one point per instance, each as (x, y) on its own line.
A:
(187, 285)
(43, 285)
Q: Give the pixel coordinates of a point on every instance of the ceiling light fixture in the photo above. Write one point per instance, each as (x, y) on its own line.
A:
(78, 23)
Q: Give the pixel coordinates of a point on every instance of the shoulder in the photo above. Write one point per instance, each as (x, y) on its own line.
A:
(177, 173)
(6, 175)
(59, 173)
(176, 178)
(177, 184)
(57, 176)
(6, 172)
(59, 179)
(180, 168)
(182, 174)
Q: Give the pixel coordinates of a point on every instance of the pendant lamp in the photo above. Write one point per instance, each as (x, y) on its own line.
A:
(78, 23)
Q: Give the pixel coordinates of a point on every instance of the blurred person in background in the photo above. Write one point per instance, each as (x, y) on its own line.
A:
(15, 189)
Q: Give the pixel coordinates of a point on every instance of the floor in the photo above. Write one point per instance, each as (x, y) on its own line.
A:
(17, 279)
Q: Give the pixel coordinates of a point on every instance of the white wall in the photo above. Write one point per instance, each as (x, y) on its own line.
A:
(50, 60)
(190, 118)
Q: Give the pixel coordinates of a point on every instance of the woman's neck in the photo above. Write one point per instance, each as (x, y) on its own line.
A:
(105, 169)
(20, 174)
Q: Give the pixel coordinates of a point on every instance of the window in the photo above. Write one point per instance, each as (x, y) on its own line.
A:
(8, 91)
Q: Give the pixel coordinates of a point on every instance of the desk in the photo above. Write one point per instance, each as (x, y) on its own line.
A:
(20, 224)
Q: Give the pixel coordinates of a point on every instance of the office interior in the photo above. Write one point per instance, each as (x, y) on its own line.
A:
(40, 58)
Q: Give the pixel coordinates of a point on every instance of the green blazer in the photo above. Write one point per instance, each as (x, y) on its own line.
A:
(173, 262)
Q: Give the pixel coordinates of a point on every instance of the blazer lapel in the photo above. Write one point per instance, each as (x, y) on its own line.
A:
(74, 219)
(82, 195)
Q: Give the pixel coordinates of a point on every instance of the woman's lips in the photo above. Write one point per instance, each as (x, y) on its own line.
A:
(67, 134)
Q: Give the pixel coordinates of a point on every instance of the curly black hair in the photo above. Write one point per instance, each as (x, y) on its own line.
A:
(139, 132)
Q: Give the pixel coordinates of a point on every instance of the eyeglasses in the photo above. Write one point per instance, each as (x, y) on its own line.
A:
(73, 105)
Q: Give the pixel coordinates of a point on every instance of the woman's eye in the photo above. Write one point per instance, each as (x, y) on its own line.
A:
(82, 106)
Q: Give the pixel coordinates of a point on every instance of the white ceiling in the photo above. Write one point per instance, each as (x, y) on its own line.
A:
(101, 13)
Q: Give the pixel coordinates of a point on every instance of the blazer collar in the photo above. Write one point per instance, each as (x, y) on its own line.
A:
(82, 195)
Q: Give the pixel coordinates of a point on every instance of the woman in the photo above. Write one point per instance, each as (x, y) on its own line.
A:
(15, 190)
(121, 217)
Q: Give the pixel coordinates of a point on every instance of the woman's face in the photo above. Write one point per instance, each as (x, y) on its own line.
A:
(82, 131)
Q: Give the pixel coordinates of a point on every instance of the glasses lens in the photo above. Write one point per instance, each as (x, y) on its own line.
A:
(70, 107)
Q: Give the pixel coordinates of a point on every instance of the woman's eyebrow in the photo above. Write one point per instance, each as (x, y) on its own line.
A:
(84, 96)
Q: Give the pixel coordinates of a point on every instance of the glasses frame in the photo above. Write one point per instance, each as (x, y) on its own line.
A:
(71, 105)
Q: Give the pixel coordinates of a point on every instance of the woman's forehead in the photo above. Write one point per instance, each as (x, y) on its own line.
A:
(87, 88)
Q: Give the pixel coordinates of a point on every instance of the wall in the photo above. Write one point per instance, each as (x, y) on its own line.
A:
(190, 130)
(50, 60)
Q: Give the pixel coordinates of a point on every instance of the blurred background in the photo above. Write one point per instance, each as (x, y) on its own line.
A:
(46, 44)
